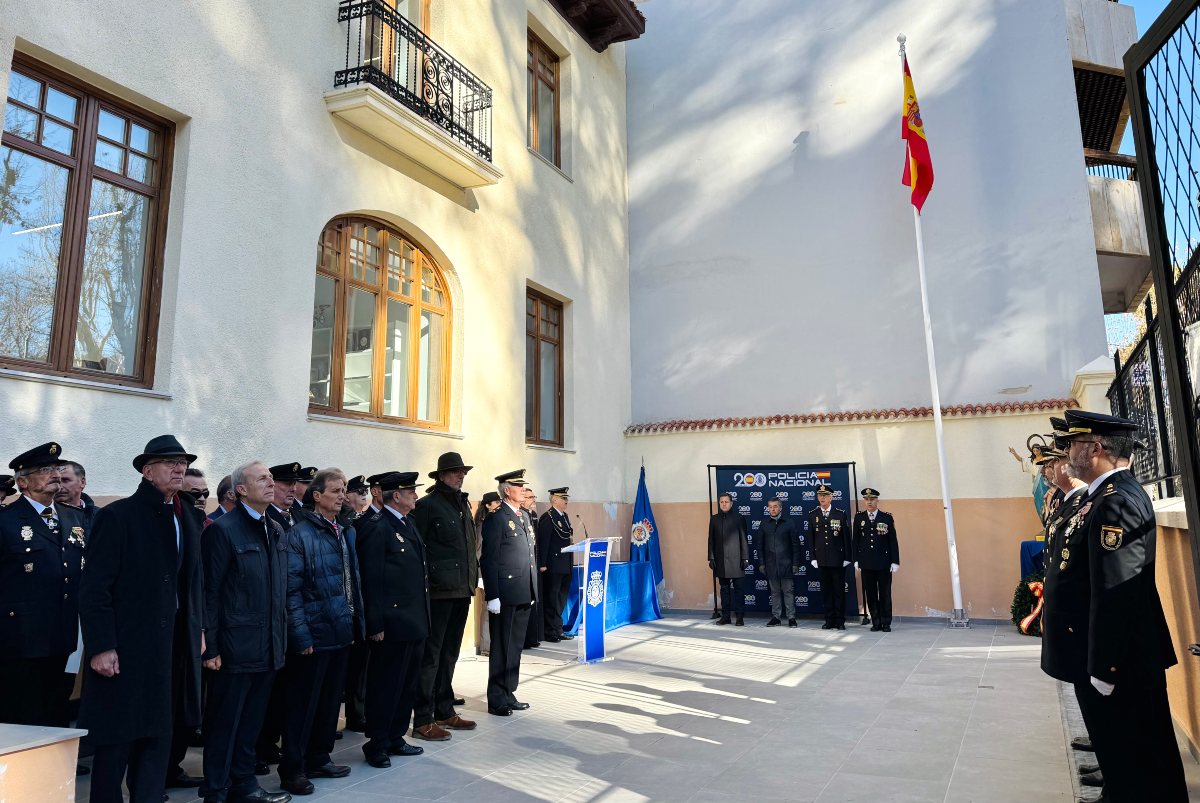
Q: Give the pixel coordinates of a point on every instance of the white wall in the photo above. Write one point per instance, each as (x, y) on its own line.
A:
(768, 220)
(261, 166)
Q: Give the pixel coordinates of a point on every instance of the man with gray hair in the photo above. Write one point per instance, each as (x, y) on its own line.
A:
(245, 561)
(509, 569)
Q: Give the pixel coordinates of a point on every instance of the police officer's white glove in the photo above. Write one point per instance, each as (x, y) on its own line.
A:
(1105, 689)
(856, 564)
(815, 566)
(480, 584)
(494, 605)
(895, 568)
(845, 563)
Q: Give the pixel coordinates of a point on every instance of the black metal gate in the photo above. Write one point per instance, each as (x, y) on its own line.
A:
(1161, 73)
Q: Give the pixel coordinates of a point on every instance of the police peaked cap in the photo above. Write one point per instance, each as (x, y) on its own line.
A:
(48, 454)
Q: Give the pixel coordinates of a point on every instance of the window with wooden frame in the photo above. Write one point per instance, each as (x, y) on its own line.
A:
(381, 327)
(543, 369)
(84, 181)
(543, 98)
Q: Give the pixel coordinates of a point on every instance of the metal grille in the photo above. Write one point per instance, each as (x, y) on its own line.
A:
(1110, 165)
(387, 51)
(1101, 99)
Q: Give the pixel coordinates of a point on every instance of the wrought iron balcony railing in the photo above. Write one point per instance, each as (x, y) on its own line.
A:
(1110, 165)
(385, 50)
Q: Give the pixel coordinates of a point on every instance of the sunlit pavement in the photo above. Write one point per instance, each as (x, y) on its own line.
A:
(688, 710)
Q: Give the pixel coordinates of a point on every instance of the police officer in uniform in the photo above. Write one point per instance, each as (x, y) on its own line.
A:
(509, 570)
(553, 533)
(41, 559)
(395, 588)
(304, 478)
(830, 551)
(877, 557)
(1114, 646)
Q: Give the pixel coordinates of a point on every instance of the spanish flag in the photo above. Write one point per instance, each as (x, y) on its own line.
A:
(918, 167)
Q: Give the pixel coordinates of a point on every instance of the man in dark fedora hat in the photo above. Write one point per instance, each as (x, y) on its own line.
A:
(141, 610)
(443, 518)
(41, 558)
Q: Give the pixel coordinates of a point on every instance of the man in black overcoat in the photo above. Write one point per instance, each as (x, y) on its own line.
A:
(396, 603)
(830, 550)
(141, 611)
(553, 533)
(728, 557)
(41, 558)
(509, 570)
(877, 557)
(781, 562)
(245, 581)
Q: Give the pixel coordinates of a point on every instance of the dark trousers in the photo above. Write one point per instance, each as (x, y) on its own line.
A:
(237, 703)
(504, 661)
(833, 585)
(181, 731)
(392, 672)
(877, 589)
(32, 691)
(141, 764)
(356, 683)
(555, 588)
(534, 632)
(447, 621)
(732, 599)
(1134, 739)
(313, 696)
(267, 748)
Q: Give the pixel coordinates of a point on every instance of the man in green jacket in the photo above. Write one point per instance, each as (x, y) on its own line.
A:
(443, 518)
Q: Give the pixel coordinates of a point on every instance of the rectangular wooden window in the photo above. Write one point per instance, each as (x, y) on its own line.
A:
(84, 181)
(542, 91)
(543, 369)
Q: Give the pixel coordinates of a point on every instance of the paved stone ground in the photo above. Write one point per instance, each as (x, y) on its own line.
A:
(689, 711)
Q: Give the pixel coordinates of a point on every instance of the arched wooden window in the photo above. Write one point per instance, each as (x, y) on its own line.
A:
(381, 327)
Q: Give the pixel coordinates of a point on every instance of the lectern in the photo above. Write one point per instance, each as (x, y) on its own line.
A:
(593, 592)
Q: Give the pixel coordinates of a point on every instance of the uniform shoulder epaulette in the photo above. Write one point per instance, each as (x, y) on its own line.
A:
(1109, 489)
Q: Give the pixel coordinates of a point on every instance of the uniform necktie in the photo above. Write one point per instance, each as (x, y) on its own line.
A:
(287, 514)
(51, 521)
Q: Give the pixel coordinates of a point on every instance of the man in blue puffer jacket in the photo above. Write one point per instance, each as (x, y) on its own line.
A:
(325, 616)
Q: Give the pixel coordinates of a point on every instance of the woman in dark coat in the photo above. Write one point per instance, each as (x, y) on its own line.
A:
(141, 608)
(728, 555)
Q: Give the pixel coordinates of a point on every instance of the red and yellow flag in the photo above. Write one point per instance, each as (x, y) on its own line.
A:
(918, 167)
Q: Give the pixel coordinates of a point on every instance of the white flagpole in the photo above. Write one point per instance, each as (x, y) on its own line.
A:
(958, 617)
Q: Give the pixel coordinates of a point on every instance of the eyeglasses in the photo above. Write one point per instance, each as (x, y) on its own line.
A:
(173, 462)
(201, 494)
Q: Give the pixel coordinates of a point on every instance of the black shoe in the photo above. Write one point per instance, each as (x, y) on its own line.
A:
(379, 761)
(406, 750)
(724, 620)
(297, 785)
(876, 628)
(1082, 743)
(566, 637)
(457, 700)
(1084, 769)
(841, 627)
(358, 726)
(530, 646)
(337, 736)
(260, 795)
(183, 781)
(551, 639)
(262, 768)
(887, 628)
(773, 622)
(517, 705)
(827, 626)
(1092, 779)
(502, 711)
(792, 622)
(81, 770)
(330, 770)
(738, 621)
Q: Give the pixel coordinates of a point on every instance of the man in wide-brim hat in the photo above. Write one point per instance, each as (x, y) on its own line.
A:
(443, 519)
(141, 608)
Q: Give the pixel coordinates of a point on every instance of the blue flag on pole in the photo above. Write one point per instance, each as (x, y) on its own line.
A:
(644, 535)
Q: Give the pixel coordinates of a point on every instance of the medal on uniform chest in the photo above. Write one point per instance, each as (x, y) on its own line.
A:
(82, 562)
(512, 525)
(1066, 553)
(881, 528)
(400, 538)
(28, 568)
(1062, 565)
(76, 536)
(835, 524)
(26, 533)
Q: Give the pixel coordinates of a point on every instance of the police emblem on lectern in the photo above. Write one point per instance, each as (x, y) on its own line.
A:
(595, 589)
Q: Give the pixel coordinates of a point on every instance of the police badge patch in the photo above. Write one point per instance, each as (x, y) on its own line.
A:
(595, 589)
(26, 533)
(1111, 538)
(512, 525)
(28, 568)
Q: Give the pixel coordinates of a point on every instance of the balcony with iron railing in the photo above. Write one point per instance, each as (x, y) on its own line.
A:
(1122, 251)
(405, 91)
